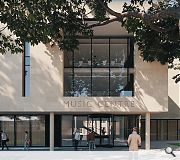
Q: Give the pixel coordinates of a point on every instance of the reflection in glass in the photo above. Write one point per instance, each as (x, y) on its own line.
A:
(82, 81)
(121, 82)
(67, 130)
(22, 125)
(111, 68)
(82, 56)
(38, 130)
(68, 82)
(7, 125)
(100, 53)
(118, 52)
(100, 82)
(119, 131)
(81, 123)
(68, 59)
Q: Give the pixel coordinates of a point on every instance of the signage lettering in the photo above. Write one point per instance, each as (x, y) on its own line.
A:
(99, 104)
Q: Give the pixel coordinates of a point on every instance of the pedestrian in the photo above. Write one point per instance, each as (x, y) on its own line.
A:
(76, 139)
(91, 140)
(134, 141)
(26, 140)
(4, 140)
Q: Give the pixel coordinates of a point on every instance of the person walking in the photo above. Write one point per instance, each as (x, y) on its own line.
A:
(134, 141)
(4, 140)
(91, 140)
(26, 140)
(76, 139)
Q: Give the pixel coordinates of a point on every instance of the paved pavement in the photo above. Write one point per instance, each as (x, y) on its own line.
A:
(88, 155)
(116, 153)
(154, 145)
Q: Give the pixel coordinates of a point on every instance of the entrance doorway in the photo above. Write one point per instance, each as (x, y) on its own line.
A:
(101, 125)
(110, 130)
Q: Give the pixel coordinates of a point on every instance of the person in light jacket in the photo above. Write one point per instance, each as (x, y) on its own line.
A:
(76, 139)
(134, 140)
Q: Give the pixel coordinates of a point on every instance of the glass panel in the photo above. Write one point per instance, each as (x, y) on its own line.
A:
(38, 130)
(162, 129)
(27, 61)
(67, 130)
(118, 50)
(106, 131)
(82, 56)
(27, 80)
(22, 125)
(81, 123)
(96, 124)
(68, 82)
(100, 53)
(7, 125)
(153, 127)
(143, 129)
(119, 134)
(121, 82)
(82, 82)
(68, 59)
(100, 82)
(172, 129)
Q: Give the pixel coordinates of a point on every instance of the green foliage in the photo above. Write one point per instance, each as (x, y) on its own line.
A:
(8, 44)
(61, 21)
(43, 21)
(159, 39)
(98, 10)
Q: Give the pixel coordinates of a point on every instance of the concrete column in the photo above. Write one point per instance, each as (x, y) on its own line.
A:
(51, 131)
(147, 132)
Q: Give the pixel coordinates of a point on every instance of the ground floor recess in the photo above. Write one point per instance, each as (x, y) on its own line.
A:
(110, 130)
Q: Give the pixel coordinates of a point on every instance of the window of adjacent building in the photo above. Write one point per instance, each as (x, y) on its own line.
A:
(172, 129)
(100, 67)
(153, 127)
(162, 129)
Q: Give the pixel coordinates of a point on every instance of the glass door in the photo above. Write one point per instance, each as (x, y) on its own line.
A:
(122, 127)
(102, 127)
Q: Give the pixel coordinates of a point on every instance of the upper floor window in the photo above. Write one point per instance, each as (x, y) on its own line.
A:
(100, 67)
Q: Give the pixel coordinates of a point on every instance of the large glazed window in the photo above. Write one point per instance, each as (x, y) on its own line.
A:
(100, 67)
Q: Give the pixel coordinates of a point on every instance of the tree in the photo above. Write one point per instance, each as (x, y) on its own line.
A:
(155, 27)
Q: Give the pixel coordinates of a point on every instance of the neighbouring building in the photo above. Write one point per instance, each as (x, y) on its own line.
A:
(104, 86)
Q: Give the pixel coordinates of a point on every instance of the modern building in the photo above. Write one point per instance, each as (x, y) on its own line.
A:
(103, 86)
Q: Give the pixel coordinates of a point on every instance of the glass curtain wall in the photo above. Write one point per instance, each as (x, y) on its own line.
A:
(81, 123)
(37, 130)
(107, 60)
(67, 133)
(162, 129)
(7, 125)
(16, 125)
(22, 125)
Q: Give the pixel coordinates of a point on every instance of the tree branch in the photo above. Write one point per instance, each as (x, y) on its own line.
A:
(3, 28)
(103, 23)
(109, 10)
